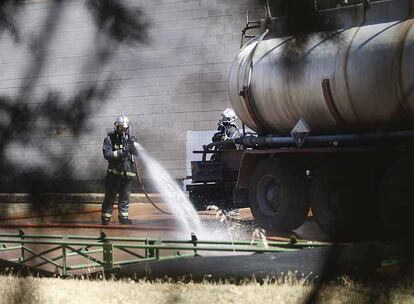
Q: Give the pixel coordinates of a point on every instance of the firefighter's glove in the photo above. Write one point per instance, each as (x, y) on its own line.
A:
(218, 136)
(120, 153)
(132, 149)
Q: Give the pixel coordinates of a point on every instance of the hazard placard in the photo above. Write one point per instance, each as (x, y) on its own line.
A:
(300, 132)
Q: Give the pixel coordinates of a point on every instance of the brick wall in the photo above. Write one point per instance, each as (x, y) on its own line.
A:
(174, 83)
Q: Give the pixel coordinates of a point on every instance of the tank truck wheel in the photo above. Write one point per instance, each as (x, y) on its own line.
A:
(277, 195)
(341, 197)
(397, 198)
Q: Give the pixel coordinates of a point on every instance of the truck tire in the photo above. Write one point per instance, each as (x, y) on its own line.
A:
(341, 197)
(277, 195)
(397, 198)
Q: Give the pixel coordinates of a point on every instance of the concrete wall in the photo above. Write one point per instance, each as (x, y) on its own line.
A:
(174, 83)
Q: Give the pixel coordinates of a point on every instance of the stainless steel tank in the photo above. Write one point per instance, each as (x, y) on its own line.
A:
(359, 78)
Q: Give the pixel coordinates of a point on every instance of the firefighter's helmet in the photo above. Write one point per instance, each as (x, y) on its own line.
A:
(121, 123)
(228, 115)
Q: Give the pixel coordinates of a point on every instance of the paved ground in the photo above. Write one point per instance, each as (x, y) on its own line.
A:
(148, 222)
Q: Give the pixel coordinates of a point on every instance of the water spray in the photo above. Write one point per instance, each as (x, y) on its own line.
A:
(179, 204)
(146, 193)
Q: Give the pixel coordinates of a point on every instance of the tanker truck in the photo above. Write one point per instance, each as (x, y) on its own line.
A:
(332, 112)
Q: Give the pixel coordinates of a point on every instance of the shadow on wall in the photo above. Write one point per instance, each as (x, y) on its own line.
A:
(34, 121)
(308, 28)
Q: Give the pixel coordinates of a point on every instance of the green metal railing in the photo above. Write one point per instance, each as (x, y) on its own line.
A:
(103, 251)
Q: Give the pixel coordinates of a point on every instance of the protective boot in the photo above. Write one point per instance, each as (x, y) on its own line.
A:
(105, 220)
(124, 220)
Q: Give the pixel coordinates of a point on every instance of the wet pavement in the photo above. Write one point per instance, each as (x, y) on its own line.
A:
(84, 220)
(148, 222)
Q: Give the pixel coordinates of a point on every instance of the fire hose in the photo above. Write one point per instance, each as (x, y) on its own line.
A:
(99, 210)
(145, 192)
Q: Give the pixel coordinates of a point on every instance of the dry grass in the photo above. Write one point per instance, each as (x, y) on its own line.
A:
(41, 290)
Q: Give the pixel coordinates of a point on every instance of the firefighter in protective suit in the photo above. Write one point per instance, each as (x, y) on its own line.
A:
(226, 127)
(119, 150)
